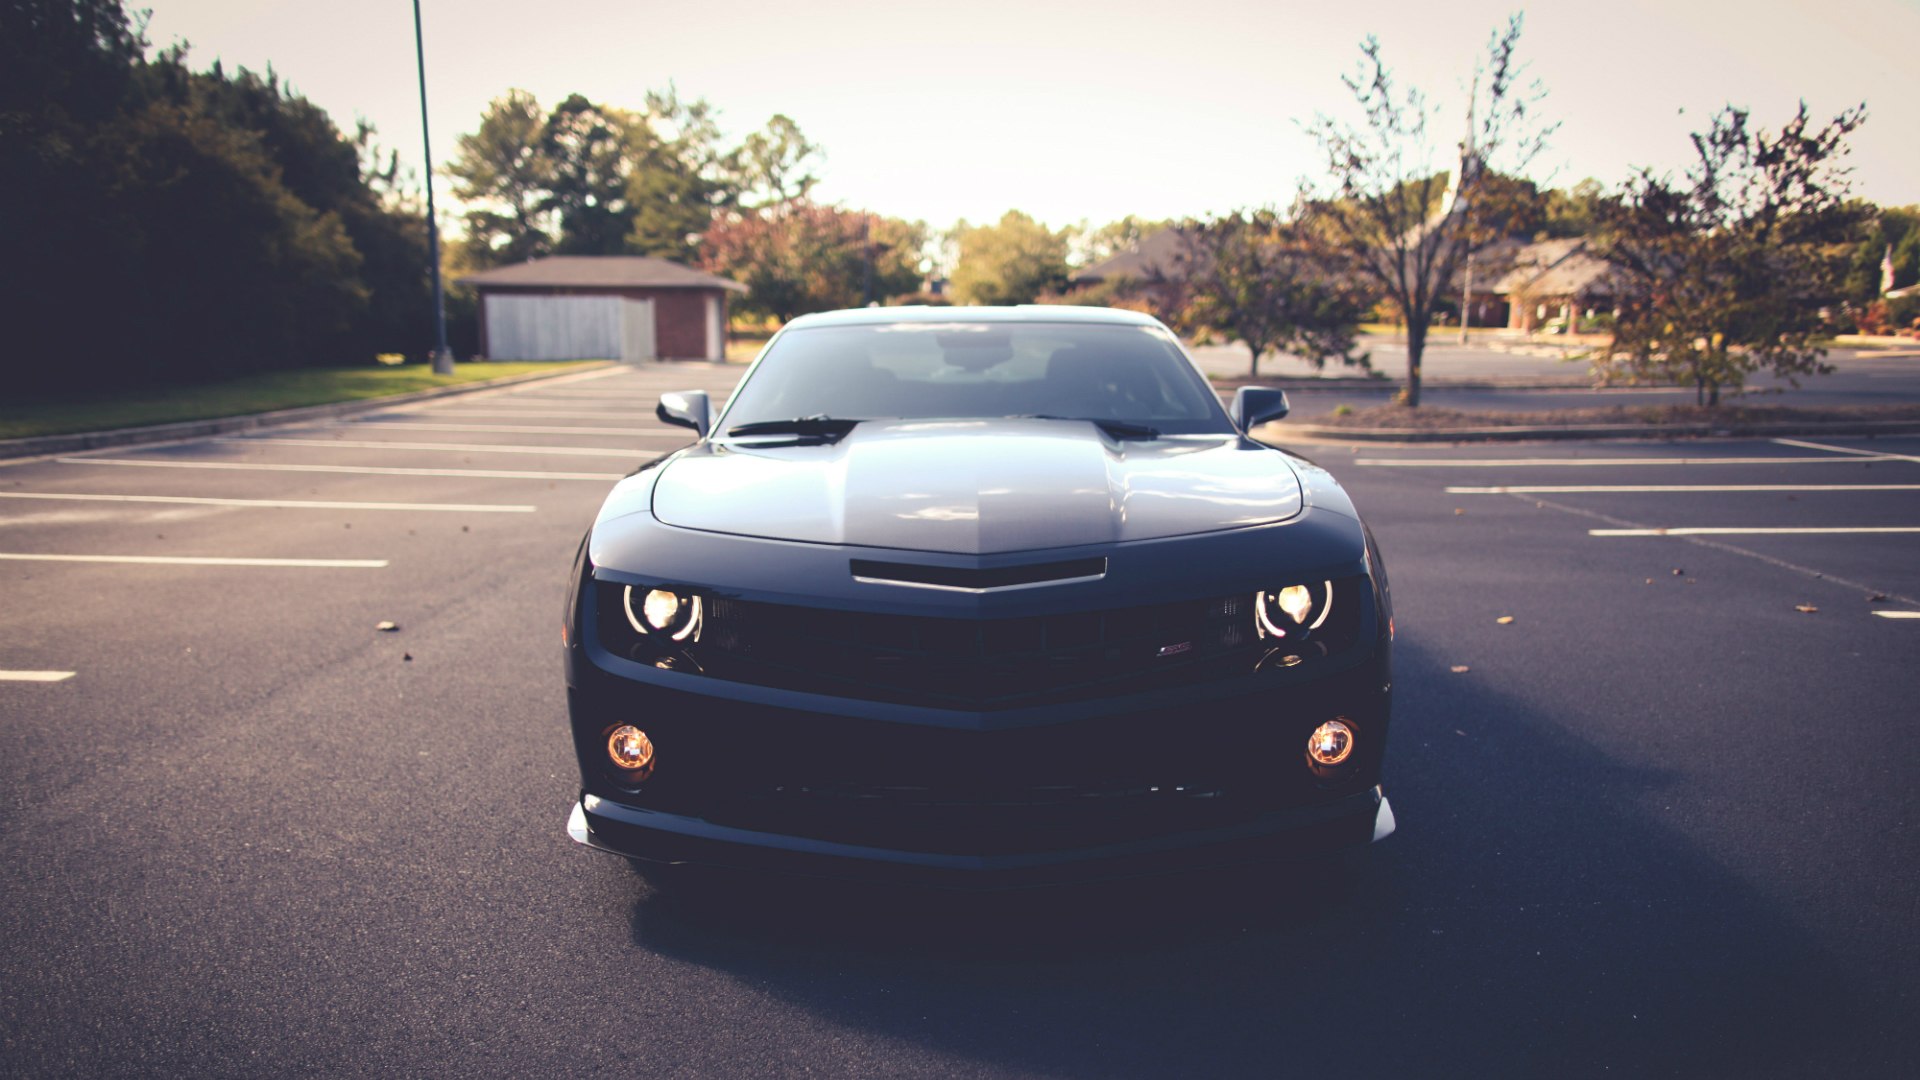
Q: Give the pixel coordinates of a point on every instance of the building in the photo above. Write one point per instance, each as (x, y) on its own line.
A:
(594, 307)
(1155, 270)
(1557, 282)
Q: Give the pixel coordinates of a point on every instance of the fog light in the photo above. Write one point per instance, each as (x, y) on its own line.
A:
(630, 751)
(1330, 744)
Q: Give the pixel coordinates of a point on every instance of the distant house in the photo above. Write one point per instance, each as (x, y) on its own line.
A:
(1155, 270)
(623, 307)
(1557, 280)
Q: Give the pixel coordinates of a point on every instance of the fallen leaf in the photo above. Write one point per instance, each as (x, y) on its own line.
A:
(1461, 669)
(465, 528)
(1877, 598)
(406, 656)
(1460, 733)
(1649, 581)
(1504, 620)
(1677, 571)
(1807, 609)
(387, 626)
(1457, 511)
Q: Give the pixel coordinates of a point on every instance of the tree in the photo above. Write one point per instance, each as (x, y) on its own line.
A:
(1573, 211)
(502, 171)
(1727, 269)
(590, 151)
(185, 224)
(1012, 262)
(776, 164)
(1892, 233)
(1271, 285)
(1405, 224)
(680, 177)
(807, 257)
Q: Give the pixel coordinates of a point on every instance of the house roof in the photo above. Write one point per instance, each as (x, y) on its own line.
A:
(1557, 268)
(602, 271)
(1160, 256)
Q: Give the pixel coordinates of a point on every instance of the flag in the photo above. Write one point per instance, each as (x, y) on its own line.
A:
(1886, 271)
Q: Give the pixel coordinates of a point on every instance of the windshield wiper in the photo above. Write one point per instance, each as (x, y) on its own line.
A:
(824, 428)
(1119, 429)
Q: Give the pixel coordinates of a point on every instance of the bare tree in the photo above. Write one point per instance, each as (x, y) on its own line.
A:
(1726, 269)
(1404, 219)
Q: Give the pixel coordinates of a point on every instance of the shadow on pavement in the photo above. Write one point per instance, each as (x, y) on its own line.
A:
(1533, 916)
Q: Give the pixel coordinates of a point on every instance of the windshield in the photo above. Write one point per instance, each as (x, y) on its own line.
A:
(925, 371)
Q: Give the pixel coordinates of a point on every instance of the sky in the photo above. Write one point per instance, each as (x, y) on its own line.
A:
(1088, 111)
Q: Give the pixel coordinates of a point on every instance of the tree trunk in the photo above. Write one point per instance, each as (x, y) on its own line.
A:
(1416, 347)
(1255, 350)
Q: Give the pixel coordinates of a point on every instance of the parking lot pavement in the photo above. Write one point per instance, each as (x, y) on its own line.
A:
(1523, 380)
(1659, 823)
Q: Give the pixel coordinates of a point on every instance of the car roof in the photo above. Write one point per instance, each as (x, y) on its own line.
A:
(1025, 313)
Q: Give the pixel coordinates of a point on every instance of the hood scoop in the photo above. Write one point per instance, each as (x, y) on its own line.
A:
(977, 580)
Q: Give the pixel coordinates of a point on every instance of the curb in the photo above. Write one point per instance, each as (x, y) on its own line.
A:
(1321, 433)
(41, 445)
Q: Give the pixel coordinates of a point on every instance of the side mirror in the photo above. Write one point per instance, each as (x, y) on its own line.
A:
(1256, 405)
(686, 408)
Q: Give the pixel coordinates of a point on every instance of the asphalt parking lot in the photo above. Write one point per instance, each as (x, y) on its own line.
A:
(1658, 823)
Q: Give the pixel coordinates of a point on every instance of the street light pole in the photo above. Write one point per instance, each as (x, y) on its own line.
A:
(442, 356)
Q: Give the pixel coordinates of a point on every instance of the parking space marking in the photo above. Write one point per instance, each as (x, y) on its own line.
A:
(453, 448)
(357, 470)
(289, 504)
(1501, 463)
(1635, 528)
(1707, 530)
(525, 429)
(1878, 455)
(1641, 489)
(534, 413)
(34, 676)
(1898, 614)
(190, 560)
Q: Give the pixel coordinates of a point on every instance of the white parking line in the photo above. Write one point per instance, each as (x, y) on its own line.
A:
(1501, 463)
(649, 432)
(290, 504)
(1629, 489)
(34, 676)
(1875, 454)
(454, 448)
(357, 470)
(1898, 614)
(1703, 530)
(520, 414)
(187, 560)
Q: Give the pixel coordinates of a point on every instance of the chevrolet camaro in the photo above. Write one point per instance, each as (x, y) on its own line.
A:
(977, 598)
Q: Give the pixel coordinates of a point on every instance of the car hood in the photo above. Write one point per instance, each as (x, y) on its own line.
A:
(978, 487)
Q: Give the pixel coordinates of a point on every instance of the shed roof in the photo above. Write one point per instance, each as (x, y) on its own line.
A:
(603, 271)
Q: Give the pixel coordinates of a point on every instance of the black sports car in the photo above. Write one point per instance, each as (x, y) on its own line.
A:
(977, 597)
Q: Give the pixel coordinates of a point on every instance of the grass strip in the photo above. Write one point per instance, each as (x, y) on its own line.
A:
(263, 392)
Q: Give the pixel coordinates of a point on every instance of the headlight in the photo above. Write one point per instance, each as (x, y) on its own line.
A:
(1293, 611)
(662, 613)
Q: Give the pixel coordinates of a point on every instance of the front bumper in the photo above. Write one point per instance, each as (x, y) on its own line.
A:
(652, 836)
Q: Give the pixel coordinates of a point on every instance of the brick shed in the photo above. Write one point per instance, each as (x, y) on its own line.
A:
(591, 307)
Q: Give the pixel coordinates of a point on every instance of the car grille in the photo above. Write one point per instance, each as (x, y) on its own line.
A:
(977, 663)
